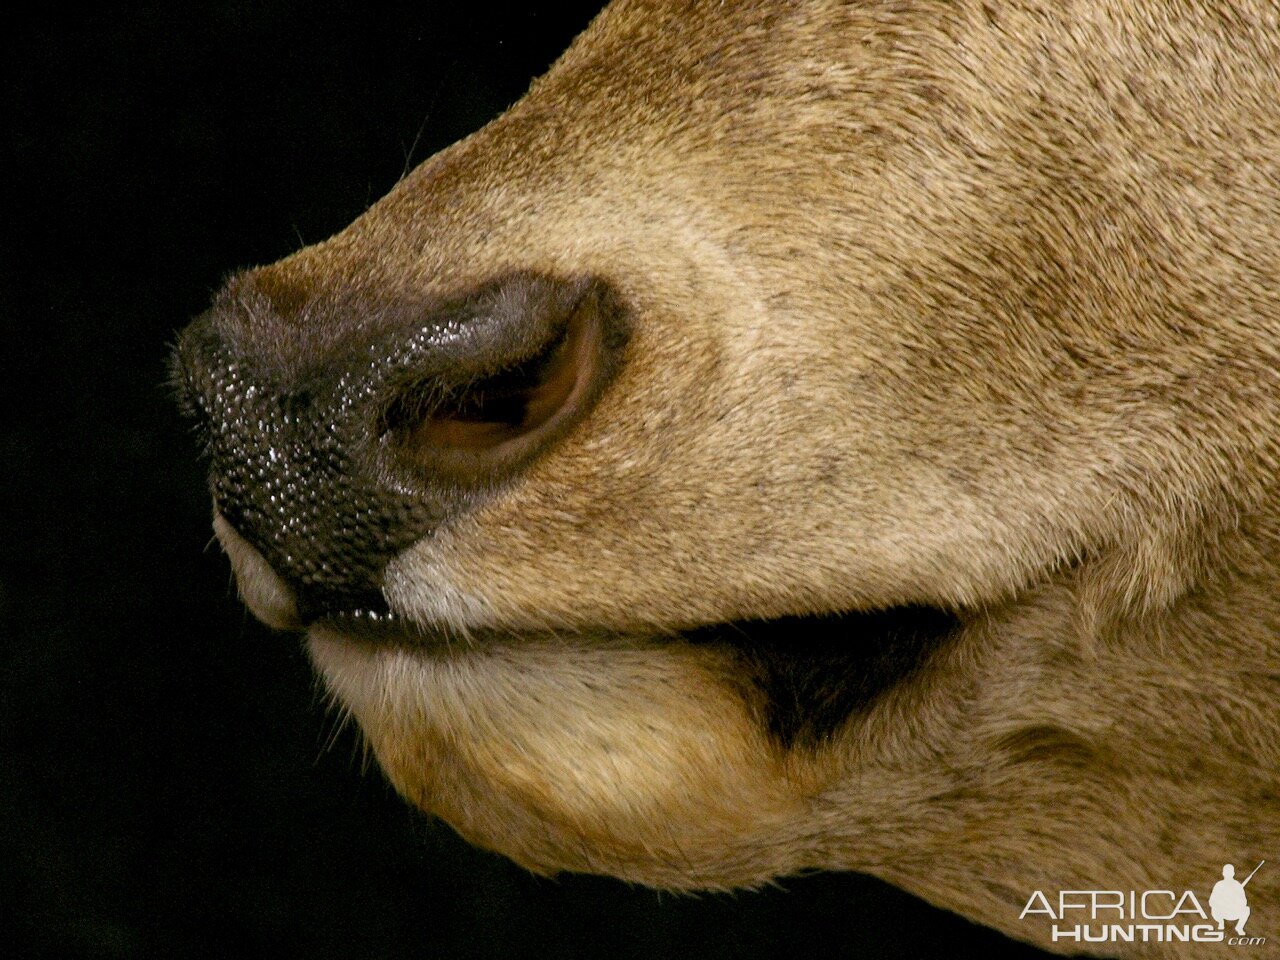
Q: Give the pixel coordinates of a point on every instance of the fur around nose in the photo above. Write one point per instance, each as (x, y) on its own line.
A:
(341, 432)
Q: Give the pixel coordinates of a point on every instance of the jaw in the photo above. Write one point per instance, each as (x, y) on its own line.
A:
(688, 761)
(1010, 761)
(656, 760)
(636, 759)
(679, 759)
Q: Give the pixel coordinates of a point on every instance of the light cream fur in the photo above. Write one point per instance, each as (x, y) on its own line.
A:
(958, 303)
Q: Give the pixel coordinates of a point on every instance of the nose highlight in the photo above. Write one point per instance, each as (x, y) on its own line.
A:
(288, 472)
(332, 452)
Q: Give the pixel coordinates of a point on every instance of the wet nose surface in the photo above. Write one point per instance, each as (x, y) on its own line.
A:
(291, 471)
(309, 464)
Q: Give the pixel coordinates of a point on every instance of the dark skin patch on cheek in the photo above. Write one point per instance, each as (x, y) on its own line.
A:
(814, 674)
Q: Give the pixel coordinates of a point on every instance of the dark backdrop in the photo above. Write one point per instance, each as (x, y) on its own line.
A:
(171, 784)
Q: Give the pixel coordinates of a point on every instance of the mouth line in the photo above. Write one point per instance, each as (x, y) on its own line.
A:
(806, 676)
(371, 625)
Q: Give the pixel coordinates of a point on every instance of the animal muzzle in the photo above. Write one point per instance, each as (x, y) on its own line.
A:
(339, 435)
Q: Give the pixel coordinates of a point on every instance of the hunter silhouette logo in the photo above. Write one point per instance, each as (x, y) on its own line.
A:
(1228, 900)
(1148, 916)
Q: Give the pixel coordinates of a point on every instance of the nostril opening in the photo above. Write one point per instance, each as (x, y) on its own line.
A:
(502, 418)
(494, 409)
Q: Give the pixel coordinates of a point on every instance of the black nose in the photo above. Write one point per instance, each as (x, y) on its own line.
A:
(342, 431)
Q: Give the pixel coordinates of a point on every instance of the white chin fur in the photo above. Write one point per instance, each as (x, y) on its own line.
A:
(263, 592)
(442, 603)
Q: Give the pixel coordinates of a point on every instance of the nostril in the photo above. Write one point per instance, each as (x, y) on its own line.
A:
(500, 419)
(500, 408)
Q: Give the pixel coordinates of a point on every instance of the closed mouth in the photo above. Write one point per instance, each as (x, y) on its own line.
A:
(370, 625)
(806, 676)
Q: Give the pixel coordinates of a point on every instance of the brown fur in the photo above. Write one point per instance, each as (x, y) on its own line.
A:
(966, 304)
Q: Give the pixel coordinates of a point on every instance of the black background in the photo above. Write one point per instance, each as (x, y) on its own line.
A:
(171, 783)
